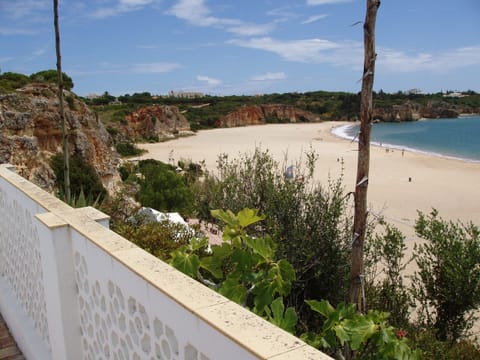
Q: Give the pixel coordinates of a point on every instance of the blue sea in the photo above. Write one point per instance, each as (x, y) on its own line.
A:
(454, 138)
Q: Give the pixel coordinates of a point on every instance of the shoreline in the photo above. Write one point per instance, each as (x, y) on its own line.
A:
(341, 132)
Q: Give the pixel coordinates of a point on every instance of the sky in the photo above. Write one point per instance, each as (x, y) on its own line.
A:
(244, 47)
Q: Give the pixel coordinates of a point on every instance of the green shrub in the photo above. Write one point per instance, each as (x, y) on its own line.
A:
(10, 81)
(162, 188)
(158, 238)
(447, 284)
(51, 76)
(128, 149)
(83, 177)
(308, 223)
(384, 264)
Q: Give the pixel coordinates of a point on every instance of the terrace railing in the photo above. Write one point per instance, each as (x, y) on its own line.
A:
(72, 289)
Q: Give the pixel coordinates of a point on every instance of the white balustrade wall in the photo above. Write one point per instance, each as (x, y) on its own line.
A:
(72, 289)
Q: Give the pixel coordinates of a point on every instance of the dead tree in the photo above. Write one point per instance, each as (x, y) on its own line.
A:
(66, 166)
(356, 293)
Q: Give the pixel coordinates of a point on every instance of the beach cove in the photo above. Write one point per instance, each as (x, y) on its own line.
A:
(400, 182)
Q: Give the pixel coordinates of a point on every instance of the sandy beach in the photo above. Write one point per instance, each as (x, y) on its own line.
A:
(400, 184)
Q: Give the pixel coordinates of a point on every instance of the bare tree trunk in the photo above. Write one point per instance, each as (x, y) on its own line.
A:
(356, 294)
(66, 166)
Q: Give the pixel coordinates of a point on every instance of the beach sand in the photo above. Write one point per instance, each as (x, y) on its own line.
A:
(451, 186)
(399, 184)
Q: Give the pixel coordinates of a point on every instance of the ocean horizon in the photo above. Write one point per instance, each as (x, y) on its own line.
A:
(457, 138)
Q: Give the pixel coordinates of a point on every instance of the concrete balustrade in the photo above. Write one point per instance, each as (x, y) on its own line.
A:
(72, 289)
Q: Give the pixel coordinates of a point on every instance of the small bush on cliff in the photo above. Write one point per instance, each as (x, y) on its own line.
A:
(83, 177)
(10, 81)
(128, 149)
(51, 76)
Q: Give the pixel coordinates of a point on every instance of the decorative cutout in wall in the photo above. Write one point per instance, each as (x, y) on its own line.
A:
(20, 261)
(115, 325)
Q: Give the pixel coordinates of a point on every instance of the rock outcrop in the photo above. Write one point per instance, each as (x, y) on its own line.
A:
(30, 134)
(412, 111)
(262, 114)
(158, 122)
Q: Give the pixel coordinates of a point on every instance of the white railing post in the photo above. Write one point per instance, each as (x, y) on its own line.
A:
(60, 288)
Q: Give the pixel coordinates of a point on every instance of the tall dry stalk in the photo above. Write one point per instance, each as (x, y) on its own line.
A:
(66, 165)
(356, 293)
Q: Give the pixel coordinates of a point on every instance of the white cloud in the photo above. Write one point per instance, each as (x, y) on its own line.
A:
(120, 7)
(247, 29)
(155, 68)
(309, 50)
(324, 2)
(400, 61)
(197, 13)
(270, 76)
(210, 81)
(314, 18)
(22, 8)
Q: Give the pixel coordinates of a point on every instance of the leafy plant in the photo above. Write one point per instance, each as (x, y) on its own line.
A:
(369, 335)
(162, 188)
(385, 264)
(83, 177)
(128, 149)
(158, 238)
(309, 224)
(447, 284)
(242, 268)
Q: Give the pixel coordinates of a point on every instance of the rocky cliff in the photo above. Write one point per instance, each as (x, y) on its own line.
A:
(155, 122)
(412, 111)
(262, 114)
(30, 133)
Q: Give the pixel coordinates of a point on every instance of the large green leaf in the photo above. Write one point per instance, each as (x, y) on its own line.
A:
(244, 262)
(198, 243)
(248, 217)
(228, 217)
(361, 328)
(214, 263)
(186, 263)
(261, 246)
(322, 307)
(285, 319)
(234, 290)
(264, 295)
(281, 276)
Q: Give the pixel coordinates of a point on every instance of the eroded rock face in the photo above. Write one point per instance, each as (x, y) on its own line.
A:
(262, 114)
(30, 134)
(156, 121)
(411, 111)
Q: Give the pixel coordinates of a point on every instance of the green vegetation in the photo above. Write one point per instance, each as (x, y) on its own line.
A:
(243, 268)
(368, 335)
(51, 76)
(309, 223)
(9, 81)
(447, 285)
(160, 186)
(290, 264)
(128, 149)
(84, 179)
(205, 112)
